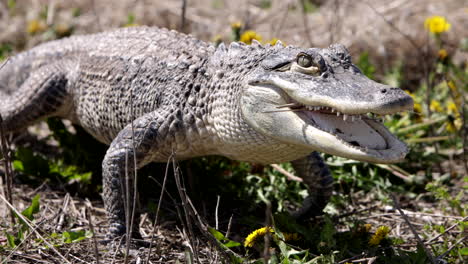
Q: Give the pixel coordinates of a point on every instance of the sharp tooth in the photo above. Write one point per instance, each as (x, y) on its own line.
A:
(333, 110)
(337, 113)
(345, 116)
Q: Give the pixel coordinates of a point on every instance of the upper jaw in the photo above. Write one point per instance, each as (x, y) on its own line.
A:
(318, 131)
(351, 94)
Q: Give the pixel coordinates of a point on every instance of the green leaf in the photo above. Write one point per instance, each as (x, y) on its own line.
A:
(18, 165)
(218, 235)
(222, 239)
(11, 4)
(231, 244)
(464, 251)
(327, 233)
(11, 240)
(32, 209)
(75, 236)
(31, 163)
(366, 67)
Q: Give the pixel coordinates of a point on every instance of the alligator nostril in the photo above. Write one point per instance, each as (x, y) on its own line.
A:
(383, 90)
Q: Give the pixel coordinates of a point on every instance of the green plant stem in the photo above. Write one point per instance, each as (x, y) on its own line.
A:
(428, 139)
(421, 125)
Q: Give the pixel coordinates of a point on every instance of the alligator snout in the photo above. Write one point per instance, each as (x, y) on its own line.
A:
(393, 100)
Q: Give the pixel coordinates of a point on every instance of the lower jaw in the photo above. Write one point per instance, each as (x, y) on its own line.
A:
(394, 150)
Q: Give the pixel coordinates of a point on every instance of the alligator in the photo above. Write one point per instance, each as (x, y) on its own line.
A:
(150, 93)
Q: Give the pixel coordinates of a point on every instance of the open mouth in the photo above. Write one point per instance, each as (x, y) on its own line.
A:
(362, 131)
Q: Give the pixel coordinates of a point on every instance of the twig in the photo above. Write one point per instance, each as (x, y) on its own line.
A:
(446, 230)
(289, 175)
(25, 239)
(117, 249)
(335, 23)
(185, 205)
(352, 258)
(450, 248)
(464, 126)
(418, 239)
(96, 15)
(163, 188)
(33, 229)
(8, 169)
(127, 210)
(182, 15)
(36, 260)
(267, 238)
(354, 212)
(91, 226)
(229, 227)
(216, 212)
(283, 19)
(306, 22)
(201, 224)
(50, 12)
(417, 48)
(77, 258)
(134, 180)
(61, 213)
(5, 150)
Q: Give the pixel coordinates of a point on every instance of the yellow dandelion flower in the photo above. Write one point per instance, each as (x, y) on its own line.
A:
(274, 40)
(217, 39)
(453, 125)
(236, 25)
(250, 35)
(363, 228)
(380, 234)
(437, 24)
(252, 237)
(442, 54)
(291, 236)
(435, 106)
(454, 122)
(452, 109)
(452, 86)
(36, 26)
(409, 93)
(418, 112)
(367, 227)
(63, 30)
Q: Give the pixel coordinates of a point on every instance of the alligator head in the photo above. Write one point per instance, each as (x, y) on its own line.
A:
(318, 99)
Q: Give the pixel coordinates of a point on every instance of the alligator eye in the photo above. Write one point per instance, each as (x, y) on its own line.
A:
(305, 64)
(304, 60)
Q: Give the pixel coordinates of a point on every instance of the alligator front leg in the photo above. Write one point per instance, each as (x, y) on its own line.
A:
(148, 133)
(319, 181)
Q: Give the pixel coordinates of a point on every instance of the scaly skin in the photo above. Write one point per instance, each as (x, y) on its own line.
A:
(187, 97)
